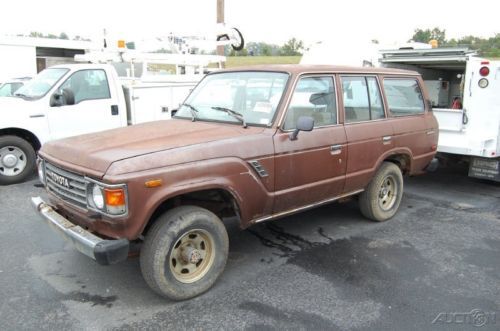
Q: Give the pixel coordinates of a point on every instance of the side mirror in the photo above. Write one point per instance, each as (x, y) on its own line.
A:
(304, 123)
(67, 97)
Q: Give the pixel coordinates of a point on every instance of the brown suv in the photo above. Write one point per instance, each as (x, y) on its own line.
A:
(255, 143)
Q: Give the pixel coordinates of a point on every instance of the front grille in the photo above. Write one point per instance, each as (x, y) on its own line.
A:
(66, 185)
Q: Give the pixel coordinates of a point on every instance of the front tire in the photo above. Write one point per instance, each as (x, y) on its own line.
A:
(17, 160)
(380, 200)
(184, 253)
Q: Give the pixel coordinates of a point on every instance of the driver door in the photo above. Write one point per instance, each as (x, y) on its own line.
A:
(94, 108)
(310, 169)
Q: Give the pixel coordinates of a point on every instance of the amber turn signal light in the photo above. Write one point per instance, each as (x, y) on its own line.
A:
(153, 183)
(114, 197)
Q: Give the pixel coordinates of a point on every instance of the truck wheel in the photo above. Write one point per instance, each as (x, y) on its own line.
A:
(381, 199)
(17, 160)
(184, 252)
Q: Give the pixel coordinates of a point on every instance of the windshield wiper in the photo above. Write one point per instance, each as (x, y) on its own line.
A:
(193, 111)
(232, 113)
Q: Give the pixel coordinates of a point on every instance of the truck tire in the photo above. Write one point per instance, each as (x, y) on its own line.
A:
(184, 252)
(380, 200)
(17, 160)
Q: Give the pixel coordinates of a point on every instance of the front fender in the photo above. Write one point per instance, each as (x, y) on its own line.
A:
(230, 174)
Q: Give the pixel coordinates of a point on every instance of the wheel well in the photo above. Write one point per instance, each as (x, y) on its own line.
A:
(25, 134)
(403, 161)
(218, 201)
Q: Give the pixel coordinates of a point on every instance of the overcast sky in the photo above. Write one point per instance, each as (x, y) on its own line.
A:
(260, 20)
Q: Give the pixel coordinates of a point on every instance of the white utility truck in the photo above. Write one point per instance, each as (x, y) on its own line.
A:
(464, 92)
(74, 99)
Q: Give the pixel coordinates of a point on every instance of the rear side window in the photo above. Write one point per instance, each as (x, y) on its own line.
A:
(404, 96)
(362, 99)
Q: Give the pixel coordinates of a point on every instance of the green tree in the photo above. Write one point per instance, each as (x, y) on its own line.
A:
(424, 36)
(292, 47)
(486, 47)
(63, 35)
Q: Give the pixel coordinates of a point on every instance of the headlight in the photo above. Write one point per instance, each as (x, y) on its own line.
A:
(97, 197)
(110, 200)
(41, 171)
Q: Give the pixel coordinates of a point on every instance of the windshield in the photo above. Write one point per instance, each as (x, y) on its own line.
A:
(8, 89)
(42, 83)
(253, 95)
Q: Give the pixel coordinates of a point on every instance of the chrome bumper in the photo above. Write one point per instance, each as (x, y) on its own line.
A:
(102, 250)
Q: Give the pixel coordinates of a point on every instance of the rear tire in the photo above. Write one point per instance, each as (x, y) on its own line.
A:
(184, 253)
(17, 160)
(380, 200)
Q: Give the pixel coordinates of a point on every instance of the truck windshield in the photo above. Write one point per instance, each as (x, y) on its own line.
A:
(41, 84)
(254, 95)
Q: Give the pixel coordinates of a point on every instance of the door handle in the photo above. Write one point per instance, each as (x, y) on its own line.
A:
(37, 115)
(431, 132)
(386, 138)
(114, 110)
(335, 149)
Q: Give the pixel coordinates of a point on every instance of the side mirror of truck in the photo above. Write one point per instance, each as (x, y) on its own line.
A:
(304, 123)
(66, 98)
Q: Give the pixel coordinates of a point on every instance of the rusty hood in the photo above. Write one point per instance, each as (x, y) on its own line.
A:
(97, 151)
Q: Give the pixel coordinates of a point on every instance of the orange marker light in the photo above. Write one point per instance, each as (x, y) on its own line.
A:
(121, 44)
(114, 197)
(153, 183)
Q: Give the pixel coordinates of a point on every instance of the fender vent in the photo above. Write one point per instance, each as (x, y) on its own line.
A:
(258, 168)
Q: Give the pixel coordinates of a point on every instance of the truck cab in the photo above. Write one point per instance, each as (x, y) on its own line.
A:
(41, 111)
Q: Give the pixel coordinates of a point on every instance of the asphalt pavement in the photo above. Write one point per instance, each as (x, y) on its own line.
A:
(435, 265)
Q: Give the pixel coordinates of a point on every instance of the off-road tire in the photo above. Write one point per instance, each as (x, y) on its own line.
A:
(370, 202)
(29, 153)
(169, 228)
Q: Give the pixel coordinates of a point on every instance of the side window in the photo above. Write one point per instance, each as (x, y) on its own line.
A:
(362, 99)
(88, 85)
(376, 107)
(314, 97)
(404, 96)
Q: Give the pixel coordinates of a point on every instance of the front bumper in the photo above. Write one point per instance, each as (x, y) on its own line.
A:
(101, 250)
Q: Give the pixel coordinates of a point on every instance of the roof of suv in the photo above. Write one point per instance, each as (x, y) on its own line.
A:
(308, 68)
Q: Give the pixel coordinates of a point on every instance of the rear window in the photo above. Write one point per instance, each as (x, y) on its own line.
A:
(404, 96)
